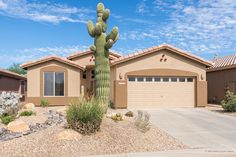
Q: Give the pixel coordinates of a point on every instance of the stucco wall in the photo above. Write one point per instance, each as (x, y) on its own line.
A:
(9, 84)
(84, 60)
(152, 61)
(219, 82)
(33, 76)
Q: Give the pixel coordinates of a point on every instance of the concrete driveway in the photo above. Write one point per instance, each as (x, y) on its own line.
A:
(197, 128)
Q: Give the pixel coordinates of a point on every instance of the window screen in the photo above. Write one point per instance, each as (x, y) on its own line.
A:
(49, 83)
(59, 84)
(54, 83)
(189, 79)
(140, 79)
(157, 79)
(148, 79)
(181, 79)
(165, 79)
(131, 79)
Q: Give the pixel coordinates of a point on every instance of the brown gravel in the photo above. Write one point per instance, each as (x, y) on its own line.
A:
(114, 138)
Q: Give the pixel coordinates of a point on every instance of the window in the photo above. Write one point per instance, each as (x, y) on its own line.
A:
(140, 79)
(53, 83)
(131, 79)
(189, 79)
(157, 79)
(173, 79)
(92, 74)
(148, 79)
(166, 79)
(84, 74)
(181, 79)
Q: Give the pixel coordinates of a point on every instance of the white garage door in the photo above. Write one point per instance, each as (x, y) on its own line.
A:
(154, 92)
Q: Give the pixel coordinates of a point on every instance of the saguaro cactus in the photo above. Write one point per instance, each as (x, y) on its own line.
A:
(102, 43)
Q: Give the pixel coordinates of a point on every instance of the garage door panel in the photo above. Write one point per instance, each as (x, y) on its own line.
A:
(160, 94)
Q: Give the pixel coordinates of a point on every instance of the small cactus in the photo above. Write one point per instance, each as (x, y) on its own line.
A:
(142, 121)
(117, 117)
(102, 44)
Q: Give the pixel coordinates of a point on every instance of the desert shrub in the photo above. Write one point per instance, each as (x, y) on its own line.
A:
(7, 119)
(110, 104)
(142, 121)
(117, 117)
(229, 102)
(27, 113)
(44, 103)
(129, 114)
(9, 103)
(85, 116)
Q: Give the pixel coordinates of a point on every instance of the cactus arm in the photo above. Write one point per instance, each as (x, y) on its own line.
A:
(113, 34)
(100, 8)
(98, 29)
(91, 28)
(117, 37)
(109, 44)
(93, 48)
(106, 14)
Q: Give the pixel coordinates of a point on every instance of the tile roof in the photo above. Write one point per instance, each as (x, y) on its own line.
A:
(113, 55)
(157, 48)
(49, 58)
(12, 74)
(225, 62)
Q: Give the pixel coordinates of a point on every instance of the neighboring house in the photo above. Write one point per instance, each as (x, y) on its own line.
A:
(161, 76)
(10, 81)
(221, 77)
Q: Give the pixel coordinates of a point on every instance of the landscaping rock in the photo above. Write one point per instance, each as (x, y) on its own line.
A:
(29, 106)
(18, 126)
(129, 114)
(69, 134)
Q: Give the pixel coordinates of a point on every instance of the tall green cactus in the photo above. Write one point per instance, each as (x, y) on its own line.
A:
(102, 44)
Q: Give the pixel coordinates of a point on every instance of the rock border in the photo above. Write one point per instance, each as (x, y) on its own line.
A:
(54, 118)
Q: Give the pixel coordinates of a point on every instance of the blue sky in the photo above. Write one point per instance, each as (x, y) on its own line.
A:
(31, 29)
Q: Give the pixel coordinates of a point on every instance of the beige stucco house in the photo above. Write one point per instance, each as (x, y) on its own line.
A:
(161, 76)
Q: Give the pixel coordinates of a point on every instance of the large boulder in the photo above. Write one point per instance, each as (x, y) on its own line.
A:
(29, 106)
(18, 126)
(69, 134)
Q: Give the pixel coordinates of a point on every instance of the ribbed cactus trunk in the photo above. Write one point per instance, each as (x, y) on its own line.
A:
(102, 44)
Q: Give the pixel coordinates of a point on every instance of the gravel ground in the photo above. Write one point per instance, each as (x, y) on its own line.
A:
(219, 109)
(41, 115)
(114, 138)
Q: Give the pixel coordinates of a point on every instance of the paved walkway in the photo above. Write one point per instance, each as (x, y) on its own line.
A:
(197, 128)
(208, 134)
(179, 153)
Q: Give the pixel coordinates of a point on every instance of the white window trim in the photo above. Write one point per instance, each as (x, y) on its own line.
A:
(46, 96)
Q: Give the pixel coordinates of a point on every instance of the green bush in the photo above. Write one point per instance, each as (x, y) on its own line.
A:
(85, 116)
(7, 119)
(229, 102)
(110, 104)
(44, 103)
(27, 113)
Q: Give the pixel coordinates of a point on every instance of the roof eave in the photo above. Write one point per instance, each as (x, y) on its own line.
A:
(221, 68)
(161, 47)
(27, 65)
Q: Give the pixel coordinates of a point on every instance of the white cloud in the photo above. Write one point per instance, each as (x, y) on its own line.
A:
(202, 26)
(29, 54)
(142, 7)
(2, 5)
(43, 12)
